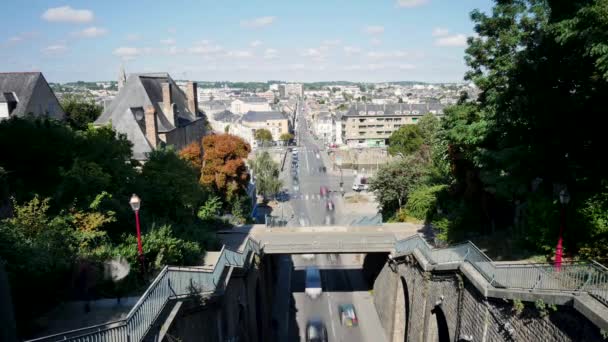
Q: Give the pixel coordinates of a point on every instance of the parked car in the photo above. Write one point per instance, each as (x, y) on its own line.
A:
(348, 316)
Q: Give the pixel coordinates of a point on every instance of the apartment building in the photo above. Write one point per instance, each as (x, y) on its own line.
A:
(370, 125)
(285, 90)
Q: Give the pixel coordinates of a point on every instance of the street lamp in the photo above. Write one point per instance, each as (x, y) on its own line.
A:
(564, 198)
(135, 203)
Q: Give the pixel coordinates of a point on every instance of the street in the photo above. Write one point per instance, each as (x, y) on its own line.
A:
(341, 275)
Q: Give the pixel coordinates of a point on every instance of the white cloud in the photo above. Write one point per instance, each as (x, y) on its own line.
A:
(15, 39)
(205, 47)
(173, 50)
(270, 53)
(406, 66)
(455, 40)
(168, 41)
(411, 3)
(91, 32)
(258, 22)
(351, 50)
(127, 53)
(55, 49)
(375, 41)
(172, 30)
(352, 67)
(312, 52)
(440, 32)
(255, 43)
(67, 14)
(239, 54)
(133, 37)
(388, 54)
(331, 42)
(374, 29)
(374, 66)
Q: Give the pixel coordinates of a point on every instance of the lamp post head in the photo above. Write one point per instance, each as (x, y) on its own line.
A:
(564, 197)
(135, 202)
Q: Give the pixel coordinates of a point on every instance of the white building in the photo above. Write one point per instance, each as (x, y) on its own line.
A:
(245, 104)
(285, 90)
(324, 127)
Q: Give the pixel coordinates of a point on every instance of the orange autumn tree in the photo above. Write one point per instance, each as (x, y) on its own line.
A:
(224, 163)
(193, 154)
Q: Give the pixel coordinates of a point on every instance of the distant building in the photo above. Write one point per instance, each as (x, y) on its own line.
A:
(324, 126)
(243, 105)
(268, 95)
(369, 125)
(23, 93)
(285, 90)
(273, 121)
(153, 111)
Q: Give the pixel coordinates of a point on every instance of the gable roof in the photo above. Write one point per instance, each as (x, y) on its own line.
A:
(141, 91)
(252, 116)
(27, 86)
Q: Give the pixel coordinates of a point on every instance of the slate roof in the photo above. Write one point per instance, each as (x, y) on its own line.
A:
(27, 86)
(252, 116)
(394, 109)
(226, 116)
(252, 99)
(141, 91)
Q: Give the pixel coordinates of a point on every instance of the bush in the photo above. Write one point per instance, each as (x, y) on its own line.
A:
(422, 202)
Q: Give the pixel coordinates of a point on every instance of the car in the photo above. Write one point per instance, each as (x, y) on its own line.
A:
(348, 315)
(316, 331)
(322, 169)
(313, 287)
(324, 191)
(329, 206)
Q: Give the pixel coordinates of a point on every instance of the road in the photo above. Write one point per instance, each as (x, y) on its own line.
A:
(341, 275)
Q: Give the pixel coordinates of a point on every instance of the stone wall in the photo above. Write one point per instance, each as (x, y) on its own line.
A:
(415, 305)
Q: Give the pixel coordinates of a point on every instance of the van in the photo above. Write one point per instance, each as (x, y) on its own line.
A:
(360, 183)
(313, 282)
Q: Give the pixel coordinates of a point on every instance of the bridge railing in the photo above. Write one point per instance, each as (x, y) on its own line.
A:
(571, 277)
(171, 282)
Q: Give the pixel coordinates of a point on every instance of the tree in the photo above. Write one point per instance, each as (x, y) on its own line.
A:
(262, 135)
(79, 111)
(406, 140)
(286, 137)
(429, 127)
(224, 167)
(266, 174)
(394, 181)
(193, 154)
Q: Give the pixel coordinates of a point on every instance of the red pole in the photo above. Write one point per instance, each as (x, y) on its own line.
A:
(139, 246)
(559, 248)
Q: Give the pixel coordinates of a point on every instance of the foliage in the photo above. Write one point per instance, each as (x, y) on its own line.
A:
(518, 306)
(193, 154)
(540, 305)
(262, 135)
(266, 172)
(286, 137)
(224, 167)
(80, 112)
(406, 140)
(393, 182)
(429, 126)
(210, 209)
(422, 201)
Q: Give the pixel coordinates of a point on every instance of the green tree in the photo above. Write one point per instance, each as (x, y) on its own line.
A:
(79, 111)
(429, 128)
(266, 174)
(286, 137)
(262, 135)
(406, 140)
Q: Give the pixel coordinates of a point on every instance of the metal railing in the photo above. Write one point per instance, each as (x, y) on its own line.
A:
(590, 277)
(171, 283)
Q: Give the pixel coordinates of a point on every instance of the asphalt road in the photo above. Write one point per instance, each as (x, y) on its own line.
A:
(341, 274)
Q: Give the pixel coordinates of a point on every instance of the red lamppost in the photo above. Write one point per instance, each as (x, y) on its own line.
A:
(135, 203)
(564, 198)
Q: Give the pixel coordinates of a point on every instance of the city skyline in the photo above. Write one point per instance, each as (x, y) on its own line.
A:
(419, 40)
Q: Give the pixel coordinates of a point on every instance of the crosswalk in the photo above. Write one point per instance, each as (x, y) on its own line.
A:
(313, 197)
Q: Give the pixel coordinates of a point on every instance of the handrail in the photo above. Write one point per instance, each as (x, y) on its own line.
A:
(170, 283)
(591, 278)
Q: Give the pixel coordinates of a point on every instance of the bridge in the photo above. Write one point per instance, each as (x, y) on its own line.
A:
(155, 310)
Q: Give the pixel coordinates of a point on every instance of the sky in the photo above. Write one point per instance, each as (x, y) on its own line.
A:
(230, 40)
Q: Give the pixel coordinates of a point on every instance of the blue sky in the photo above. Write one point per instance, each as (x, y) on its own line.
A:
(312, 40)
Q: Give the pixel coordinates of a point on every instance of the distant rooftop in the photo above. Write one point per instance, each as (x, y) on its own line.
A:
(252, 116)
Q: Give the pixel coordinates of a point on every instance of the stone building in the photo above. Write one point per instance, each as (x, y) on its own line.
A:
(23, 93)
(153, 111)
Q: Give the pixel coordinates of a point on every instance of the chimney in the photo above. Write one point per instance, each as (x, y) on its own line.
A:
(192, 96)
(168, 103)
(150, 120)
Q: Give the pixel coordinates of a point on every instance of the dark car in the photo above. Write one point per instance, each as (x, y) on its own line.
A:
(322, 169)
(316, 331)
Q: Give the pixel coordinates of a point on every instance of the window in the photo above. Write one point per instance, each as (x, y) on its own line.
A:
(397, 112)
(361, 133)
(361, 120)
(415, 112)
(380, 112)
(371, 112)
(361, 112)
(414, 119)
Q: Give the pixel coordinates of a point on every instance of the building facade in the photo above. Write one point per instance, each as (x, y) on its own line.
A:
(369, 125)
(273, 121)
(243, 105)
(288, 89)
